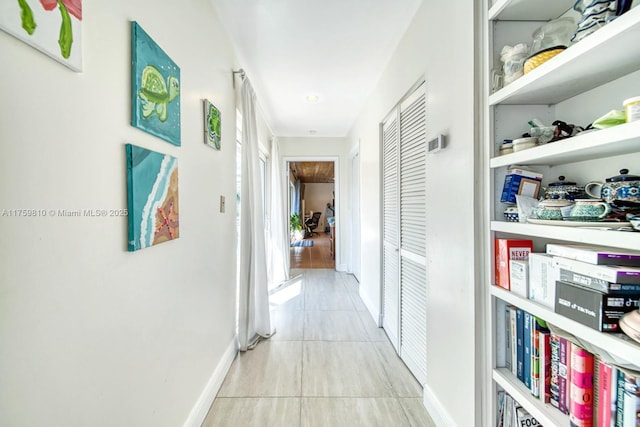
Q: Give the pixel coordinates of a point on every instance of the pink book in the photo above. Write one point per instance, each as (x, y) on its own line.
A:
(604, 390)
(581, 388)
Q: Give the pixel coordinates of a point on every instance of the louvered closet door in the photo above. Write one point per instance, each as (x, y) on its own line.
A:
(390, 227)
(413, 296)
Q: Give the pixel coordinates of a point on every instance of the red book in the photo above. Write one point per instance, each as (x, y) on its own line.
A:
(545, 366)
(581, 388)
(506, 250)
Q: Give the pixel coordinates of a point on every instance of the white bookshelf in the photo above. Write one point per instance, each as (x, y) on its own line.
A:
(574, 81)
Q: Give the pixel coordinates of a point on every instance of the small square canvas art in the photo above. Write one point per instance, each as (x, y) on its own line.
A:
(212, 125)
(155, 88)
(51, 26)
(152, 196)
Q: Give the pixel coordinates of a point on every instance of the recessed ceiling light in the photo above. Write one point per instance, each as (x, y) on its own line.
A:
(313, 131)
(312, 98)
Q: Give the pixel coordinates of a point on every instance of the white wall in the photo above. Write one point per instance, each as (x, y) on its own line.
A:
(316, 196)
(318, 148)
(439, 45)
(92, 334)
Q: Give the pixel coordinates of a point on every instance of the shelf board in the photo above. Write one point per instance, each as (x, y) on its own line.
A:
(611, 52)
(621, 139)
(527, 10)
(618, 239)
(627, 350)
(546, 414)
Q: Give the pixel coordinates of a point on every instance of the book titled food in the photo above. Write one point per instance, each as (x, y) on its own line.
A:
(598, 255)
(505, 251)
(592, 308)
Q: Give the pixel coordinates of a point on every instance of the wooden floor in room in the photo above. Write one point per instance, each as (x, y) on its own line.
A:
(316, 256)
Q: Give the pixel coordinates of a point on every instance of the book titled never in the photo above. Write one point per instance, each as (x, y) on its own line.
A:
(598, 255)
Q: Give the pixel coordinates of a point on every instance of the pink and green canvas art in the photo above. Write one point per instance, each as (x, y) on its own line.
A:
(54, 27)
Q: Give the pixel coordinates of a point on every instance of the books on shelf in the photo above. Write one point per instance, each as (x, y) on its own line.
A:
(592, 308)
(505, 251)
(512, 414)
(605, 273)
(597, 284)
(598, 255)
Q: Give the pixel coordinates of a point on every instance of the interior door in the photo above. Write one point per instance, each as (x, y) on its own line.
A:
(413, 239)
(390, 230)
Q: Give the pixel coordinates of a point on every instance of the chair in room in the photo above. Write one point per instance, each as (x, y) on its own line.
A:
(312, 223)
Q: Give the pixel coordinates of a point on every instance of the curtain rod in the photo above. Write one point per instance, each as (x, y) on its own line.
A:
(242, 76)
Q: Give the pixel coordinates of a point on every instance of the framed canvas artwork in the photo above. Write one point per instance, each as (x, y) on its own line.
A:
(155, 88)
(152, 197)
(54, 27)
(212, 125)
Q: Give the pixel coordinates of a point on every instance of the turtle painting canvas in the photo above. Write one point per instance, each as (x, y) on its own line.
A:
(152, 195)
(155, 88)
(54, 27)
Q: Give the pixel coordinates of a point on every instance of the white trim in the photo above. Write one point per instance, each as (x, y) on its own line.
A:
(203, 404)
(374, 309)
(435, 409)
(341, 268)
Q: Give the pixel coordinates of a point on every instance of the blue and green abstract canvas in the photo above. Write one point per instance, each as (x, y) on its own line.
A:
(152, 195)
(155, 88)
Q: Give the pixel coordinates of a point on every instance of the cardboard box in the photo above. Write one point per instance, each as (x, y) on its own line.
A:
(519, 277)
(592, 308)
(520, 182)
(543, 273)
(505, 251)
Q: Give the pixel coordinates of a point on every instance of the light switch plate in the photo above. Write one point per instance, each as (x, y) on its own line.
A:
(222, 204)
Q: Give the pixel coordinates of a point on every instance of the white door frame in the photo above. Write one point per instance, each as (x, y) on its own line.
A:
(336, 188)
(355, 256)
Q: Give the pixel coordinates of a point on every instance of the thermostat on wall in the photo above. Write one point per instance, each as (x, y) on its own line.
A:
(436, 144)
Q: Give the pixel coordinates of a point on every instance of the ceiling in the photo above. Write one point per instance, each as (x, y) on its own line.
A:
(312, 172)
(335, 50)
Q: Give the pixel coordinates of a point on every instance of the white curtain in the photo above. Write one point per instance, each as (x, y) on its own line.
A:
(254, 317)
(278, 271)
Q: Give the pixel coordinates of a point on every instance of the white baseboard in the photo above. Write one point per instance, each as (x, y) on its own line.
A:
(202, 406)
(341, 267)
(373, 310)
(438, 414)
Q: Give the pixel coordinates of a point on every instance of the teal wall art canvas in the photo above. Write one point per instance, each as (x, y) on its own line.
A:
(54, 27)
(212, 125)
(152, 196)
(155, 88)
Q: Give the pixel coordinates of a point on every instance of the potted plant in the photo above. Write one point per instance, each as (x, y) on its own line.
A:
(295, 226)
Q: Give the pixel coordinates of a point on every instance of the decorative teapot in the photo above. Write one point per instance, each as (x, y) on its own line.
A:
(564, 190)
(622, 190)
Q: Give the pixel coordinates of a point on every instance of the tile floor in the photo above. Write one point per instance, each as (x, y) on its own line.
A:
(328, 365)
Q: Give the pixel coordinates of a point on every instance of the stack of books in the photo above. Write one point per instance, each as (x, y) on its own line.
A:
(596, 286)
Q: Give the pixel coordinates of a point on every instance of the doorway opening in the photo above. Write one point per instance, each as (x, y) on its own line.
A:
(312, 212)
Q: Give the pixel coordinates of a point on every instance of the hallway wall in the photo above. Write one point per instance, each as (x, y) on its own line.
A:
(92, 334)
(439, 46)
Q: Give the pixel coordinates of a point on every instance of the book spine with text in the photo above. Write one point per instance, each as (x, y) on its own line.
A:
(519, 343)
(604, 273)
(604, 394)
(554, 387)
(514, 340)
(581, 387)
(526, 343)
(544, 391)
(598, 284)
(564, 375)
(594, 255)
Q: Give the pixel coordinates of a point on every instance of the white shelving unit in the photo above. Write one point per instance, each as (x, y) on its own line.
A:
(604, 62)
